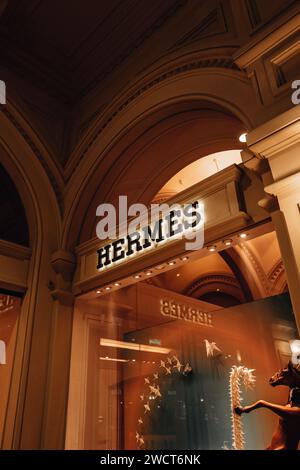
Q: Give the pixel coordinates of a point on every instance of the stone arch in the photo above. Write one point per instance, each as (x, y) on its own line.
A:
(43, 216)
(224, 89)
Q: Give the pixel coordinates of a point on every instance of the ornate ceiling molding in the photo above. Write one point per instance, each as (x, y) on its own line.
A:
(224, 62)
(48, 170)
(209, 280)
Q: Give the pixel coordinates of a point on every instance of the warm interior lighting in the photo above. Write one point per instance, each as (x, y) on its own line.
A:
(113, 359)
(99, 291)
(227, 242)
(171, 263)
(178, 274)
(112, 343)
(243, 235)
(137, 276)
(107, 288)
(243, 137)
(116, 284)
(148, 273)
(212, 248)
(184, 258)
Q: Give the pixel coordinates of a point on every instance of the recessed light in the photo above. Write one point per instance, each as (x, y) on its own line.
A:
(212, 248)
(137, 276)
(98, 291)
(178, 274)
(184, 258)
(218, 290)
(228, 242)
(116, 284)
(148, 273)
(243, 137)
(107, 288)
(171, 263)
(160, 267)
(243, 235)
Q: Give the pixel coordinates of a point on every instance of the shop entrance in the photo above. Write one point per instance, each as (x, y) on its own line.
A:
(152, 355)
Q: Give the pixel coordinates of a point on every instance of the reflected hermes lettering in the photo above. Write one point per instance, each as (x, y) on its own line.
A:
(169, 307)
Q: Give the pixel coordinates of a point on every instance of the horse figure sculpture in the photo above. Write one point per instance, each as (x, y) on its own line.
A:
(287, 432)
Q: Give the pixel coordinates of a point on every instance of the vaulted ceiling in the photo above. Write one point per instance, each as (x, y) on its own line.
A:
(79, 42)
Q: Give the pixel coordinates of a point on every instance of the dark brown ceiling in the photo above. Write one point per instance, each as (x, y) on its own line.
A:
(79, 41)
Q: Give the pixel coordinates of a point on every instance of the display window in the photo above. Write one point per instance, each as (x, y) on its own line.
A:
(158, 364)
(9, 319)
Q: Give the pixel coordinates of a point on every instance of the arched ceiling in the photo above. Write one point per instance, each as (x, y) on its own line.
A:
(259, 265)
(150, 158)
(198, 171)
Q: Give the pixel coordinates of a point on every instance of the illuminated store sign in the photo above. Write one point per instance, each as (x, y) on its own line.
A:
(179, 311)
(181, 222)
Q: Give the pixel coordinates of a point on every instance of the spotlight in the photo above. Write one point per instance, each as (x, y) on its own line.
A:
(137, 276)
(243, 137)
(184, 258)
(171, 263)
(227, 242)
(116, 284)
(148, 273)
(212, 248)
(98, 291)
(243, 235)
(107, 288)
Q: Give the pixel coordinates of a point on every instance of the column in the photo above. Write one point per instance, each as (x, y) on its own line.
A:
(60, 352)
(278, 141)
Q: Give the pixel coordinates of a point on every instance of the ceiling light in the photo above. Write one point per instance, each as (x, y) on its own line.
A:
(184, 258)
(112, 343)
(171, 263)
(98, 291)
(243, 137)
(243, 235)
(107, 288)
(137, 276)
(212, 248)
(113, 359)
(227, 242)
(148, 273)
(116, 284)
(178, 274)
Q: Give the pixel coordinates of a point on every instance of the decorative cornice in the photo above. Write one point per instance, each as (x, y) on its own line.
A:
(285, 186)
(14, 250)
(268, 39)
(276, 272)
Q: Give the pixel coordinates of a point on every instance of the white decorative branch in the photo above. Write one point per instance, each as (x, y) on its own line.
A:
(239, 375)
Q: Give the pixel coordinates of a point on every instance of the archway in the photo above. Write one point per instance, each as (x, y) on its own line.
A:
(113, 134)
(25, 409)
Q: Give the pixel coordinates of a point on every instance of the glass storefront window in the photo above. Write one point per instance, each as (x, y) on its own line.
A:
(150, 369)
(9, 318)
